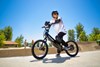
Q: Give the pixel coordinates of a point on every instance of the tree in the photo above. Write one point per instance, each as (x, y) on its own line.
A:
(83, 36)
(8, 33)
(2, 38)
(79, 28)
(98, 37)
(71, 35)
(95, 35)
(19, 40)
(91, 37)
(96, 31)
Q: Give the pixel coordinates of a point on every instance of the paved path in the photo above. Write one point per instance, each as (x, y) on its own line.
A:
(83, 59)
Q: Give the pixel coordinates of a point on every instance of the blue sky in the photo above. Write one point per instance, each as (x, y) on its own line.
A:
(26, 17)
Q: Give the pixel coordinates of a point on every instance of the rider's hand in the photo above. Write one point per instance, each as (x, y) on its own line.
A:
(47, 23)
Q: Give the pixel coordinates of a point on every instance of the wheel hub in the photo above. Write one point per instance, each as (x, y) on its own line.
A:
(71, 47)
(42, 48)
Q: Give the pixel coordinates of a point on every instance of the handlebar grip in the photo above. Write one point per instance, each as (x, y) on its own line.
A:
(43, 27)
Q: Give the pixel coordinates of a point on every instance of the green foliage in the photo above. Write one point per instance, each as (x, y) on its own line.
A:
(83, 36)
(98, 37)
(19, 40)
(95, 35)
(1, 31)
(98, 42)
(79, 28)
(2, 38)
(8, 33)
(96, 31)
(91, 37)
(71, 35)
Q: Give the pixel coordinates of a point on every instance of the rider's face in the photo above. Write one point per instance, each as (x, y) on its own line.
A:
(55, 16)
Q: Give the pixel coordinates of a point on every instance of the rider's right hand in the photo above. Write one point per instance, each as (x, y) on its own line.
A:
(47, 23)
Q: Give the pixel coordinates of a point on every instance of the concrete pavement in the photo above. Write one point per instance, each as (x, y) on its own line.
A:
(83, 59)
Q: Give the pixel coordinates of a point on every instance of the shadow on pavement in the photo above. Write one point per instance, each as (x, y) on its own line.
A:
(58, 59)
(35, 60)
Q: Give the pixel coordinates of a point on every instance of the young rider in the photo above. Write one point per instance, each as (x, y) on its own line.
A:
(58, 25)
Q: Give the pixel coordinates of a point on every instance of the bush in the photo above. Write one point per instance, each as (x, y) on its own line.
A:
(98, 42)
(2, 38)
(19, 40)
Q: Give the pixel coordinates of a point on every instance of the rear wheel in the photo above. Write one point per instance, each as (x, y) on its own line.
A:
(39, 49)
(72, 48)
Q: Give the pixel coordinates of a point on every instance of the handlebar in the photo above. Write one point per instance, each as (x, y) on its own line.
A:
(45, 27)
(48, 26)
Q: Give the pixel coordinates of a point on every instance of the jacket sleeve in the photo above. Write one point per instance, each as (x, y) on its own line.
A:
(55, 21)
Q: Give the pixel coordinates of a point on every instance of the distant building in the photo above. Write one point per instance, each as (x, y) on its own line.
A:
(10, 44)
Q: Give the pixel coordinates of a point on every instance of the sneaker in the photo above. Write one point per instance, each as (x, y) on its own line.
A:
(58, 55)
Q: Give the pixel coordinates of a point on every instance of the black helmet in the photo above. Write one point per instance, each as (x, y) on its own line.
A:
(55, 12)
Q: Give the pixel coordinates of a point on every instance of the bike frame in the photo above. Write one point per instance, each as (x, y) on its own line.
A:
(48, 36)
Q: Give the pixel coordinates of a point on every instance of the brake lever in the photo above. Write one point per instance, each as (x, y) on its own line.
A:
(46, 26)
(43, 27)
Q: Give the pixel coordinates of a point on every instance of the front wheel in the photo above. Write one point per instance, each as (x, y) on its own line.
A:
(39, 49)
(72, 48)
